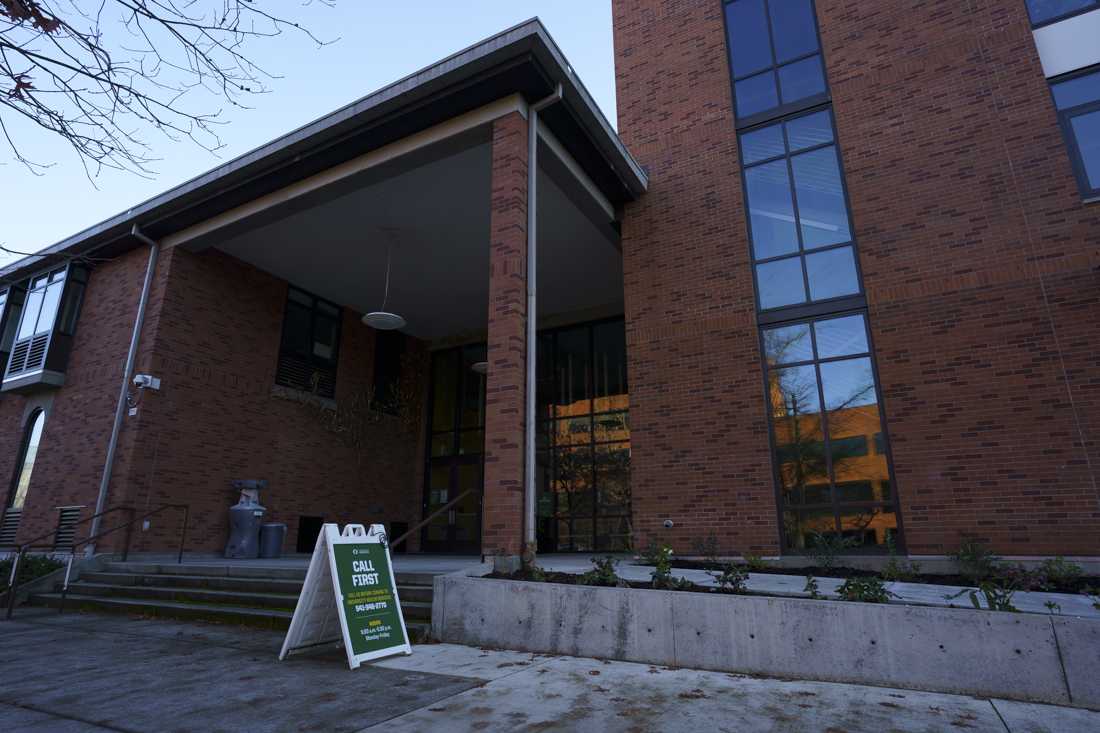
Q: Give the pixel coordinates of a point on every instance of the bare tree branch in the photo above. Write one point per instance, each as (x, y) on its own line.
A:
(99, 72)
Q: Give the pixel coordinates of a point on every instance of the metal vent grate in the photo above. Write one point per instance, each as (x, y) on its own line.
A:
(36, 356)
(19, 356)
(67, 517)
(9, 526)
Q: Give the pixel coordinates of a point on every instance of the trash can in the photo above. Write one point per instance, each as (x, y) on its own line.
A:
(245, 518)
(272, 536)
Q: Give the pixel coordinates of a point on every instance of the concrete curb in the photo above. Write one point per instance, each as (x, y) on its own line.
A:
(1014, 656)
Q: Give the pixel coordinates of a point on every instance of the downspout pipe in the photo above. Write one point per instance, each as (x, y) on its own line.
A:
(127, 375)
(529, 540)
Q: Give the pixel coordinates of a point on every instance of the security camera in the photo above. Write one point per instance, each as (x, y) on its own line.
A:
(146, 381)
(669, 524)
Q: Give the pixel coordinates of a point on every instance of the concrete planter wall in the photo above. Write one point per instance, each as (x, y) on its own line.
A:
(1016, 656)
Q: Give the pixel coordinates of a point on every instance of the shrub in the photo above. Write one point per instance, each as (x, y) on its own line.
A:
(755, 562)
(811, 587)
(897, 568)
(662, 572)
(30, 568)
(732, 579)
(976, 561)
(865, 590)
(603, 574)
(999, 588)
(826, 547)
(651, 553)
(707, 549)
(1058, 572)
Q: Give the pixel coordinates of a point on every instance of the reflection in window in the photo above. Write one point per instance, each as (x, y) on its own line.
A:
(825, 417)
(798, 213)
(29, 453)
(775, 56)
(1078, 103)
(1044, 11)
(584, 439)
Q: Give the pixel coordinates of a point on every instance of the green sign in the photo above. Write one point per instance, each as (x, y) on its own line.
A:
(371, 611)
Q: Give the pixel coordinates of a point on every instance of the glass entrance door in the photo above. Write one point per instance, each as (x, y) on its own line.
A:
(455, 451)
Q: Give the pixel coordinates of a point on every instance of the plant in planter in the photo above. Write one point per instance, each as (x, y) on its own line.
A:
(755, 562)
(825, 548)
(603, 574)
(732, 579)
(1058, 572)
(707, 550)
(811, 588)
(897, 568)
(662, 572)
(864, 590)
(976, 561)
(999, 588)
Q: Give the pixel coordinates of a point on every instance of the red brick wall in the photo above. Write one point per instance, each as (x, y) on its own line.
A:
(978, 256)
(212, 335)
(502, 523)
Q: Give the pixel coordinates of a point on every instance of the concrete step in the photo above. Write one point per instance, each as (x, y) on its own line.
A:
(417, 593)
(186, 595)
(419, 630)
(220, 582)
(242, 570)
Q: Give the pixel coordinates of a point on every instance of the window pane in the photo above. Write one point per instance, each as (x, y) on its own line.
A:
(793, 28)
(573, 364)
(868, 526)
(1044, 10)
(762, 144)
(1082, 90)
(1086, 129)
(771, 211)
(613, 478)
(50, 302)
(756, 94)
(473, 386)
(325, 333)
(841, 337)
(780, 283)
(34, 437)
(444, 390)
(296, 330)
(611, 426)
(788, 344)
(30, 314)
(832, 273)
(811, 130)
(609, 365)
(846, 385)
(748, 36)
(822, 212)
(802, 79)
(799, 435)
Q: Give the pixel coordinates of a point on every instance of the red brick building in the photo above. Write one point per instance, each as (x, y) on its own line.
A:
(846, 253)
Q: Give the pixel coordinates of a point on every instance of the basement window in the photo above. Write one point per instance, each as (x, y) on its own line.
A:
(1077, 99)
(42, 342)
(310, 344)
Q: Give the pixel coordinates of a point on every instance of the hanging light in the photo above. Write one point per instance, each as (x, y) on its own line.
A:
(481, 367)
(382, 319)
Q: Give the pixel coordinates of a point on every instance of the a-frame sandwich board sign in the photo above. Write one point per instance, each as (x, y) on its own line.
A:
(349, 594)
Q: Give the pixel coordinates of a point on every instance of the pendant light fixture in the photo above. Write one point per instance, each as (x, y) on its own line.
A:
(382, 319)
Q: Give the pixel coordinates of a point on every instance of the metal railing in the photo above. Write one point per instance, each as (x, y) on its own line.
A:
(417, 527)
(13, 585)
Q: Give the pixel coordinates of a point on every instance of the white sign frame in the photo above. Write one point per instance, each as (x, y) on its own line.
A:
(319, 617)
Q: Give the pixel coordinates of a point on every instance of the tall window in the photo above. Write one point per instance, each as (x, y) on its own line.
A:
(310, 344)
(584, 439)
(832, 468)
(831, 455)
(32, 436)
(798, 212)
(1077, 99)
(775, 56)
(1048, 11)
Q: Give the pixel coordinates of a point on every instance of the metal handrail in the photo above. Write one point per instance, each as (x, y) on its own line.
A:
(13, 585)
(431, 516)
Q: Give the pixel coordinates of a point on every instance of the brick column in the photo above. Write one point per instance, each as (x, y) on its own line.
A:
(502, 508)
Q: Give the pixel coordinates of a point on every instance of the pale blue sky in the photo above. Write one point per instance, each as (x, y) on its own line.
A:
(380, 42)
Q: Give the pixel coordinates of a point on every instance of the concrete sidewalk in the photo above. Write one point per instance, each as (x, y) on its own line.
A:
(85, 673)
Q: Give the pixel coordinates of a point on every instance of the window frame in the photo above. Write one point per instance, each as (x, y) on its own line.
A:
(782, 110)
(1065, 117)
(24, 445)
(1058, 18)
(808, 308)
(315, 362)
(777, 480)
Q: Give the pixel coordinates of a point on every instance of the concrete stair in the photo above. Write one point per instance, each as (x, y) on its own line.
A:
(246, 594)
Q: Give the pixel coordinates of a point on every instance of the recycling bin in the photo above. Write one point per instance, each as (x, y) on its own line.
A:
(272, 536)
(245, 519)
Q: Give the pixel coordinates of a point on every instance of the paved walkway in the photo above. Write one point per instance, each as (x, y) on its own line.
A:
(919, 594)
(83, 673)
